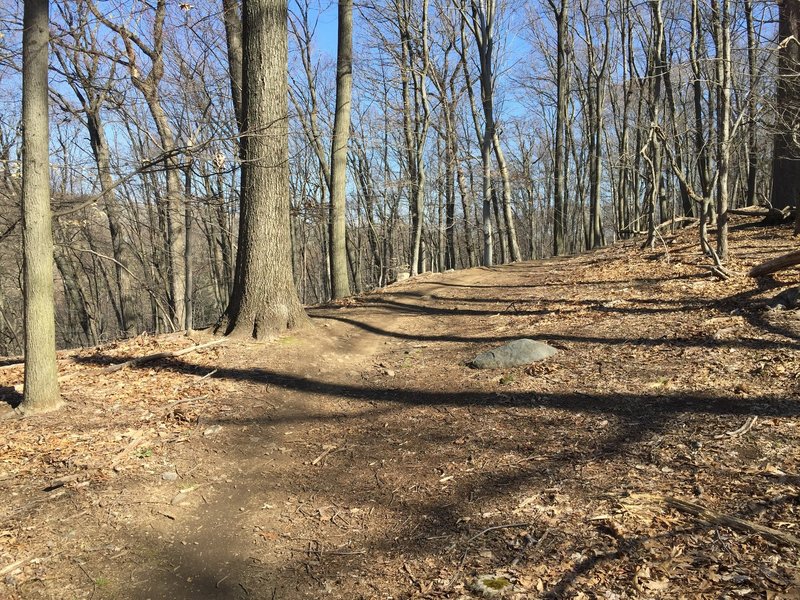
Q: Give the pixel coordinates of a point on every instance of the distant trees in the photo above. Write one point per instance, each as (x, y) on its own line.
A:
(481, 132)
(145, 65)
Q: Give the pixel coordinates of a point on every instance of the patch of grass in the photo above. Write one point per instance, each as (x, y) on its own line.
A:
(144, 453)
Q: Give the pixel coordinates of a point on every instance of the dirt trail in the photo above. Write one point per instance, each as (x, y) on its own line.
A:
(210, 549)
(362, 458)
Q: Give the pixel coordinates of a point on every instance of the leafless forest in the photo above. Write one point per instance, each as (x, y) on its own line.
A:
(482, 132)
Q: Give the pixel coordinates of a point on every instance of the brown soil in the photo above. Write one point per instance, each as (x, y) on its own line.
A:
(363, 458)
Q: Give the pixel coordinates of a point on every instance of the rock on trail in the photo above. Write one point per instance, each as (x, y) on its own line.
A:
(513, 354)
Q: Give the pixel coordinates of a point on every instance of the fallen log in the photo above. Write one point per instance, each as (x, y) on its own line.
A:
(776, 264)
(159, 355)
(751, 211)
(772, 216)
(689, 221)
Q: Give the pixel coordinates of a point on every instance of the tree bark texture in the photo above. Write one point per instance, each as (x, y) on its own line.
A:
(786, 157)
(41, 391)
(559, 203)
(340, 284)
(264, 300)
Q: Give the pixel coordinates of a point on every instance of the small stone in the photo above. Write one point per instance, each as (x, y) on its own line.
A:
(389, 373)
(169, 476)
(212, 430)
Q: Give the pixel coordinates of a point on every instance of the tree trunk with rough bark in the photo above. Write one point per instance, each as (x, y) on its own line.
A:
(562, 82)
(264, 300)
(786, 153)
(340, 283)
(41, 393)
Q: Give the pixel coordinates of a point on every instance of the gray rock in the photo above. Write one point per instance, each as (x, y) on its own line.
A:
(786, 300)
(514, 354)
(169, 476)
(212, 430)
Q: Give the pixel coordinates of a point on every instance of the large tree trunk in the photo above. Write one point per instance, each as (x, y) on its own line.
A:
(752, 104)
(786, 157)
(723, 68)
(233, 38)
(340, 284)
(41, 392)
(559, 203)
(264, 300)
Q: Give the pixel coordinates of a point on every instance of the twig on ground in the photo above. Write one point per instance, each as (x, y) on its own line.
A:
(198, 381)
(14, 565)
(488, 530)
(175, 403)
(136, 441)
(328, 449)
(707, 515)
(748, 425)
(89, 577)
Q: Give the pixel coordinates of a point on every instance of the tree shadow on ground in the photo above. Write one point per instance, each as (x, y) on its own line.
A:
(756, 313)
(545, 284)
(432, 523)
(516, 307)
(10, 396)
(622, 404)
(700, 342)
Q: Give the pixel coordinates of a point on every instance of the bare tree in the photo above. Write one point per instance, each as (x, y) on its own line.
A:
(561, 13)
(41, 391)
(340, 283)
(264, 300)
(148, 85)
(786, 153)
(722, 41)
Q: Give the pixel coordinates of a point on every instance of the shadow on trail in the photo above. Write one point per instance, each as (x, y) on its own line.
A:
(621, 404)
(429, 522)
(10, 396)
(700, 342)
(757, 315)
(432, 522)
(515, 446)
(517, 306)
(639, 281)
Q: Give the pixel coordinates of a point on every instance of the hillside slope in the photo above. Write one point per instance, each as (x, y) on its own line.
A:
(363, 458)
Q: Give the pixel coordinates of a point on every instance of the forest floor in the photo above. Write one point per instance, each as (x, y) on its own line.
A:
(363, 458)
